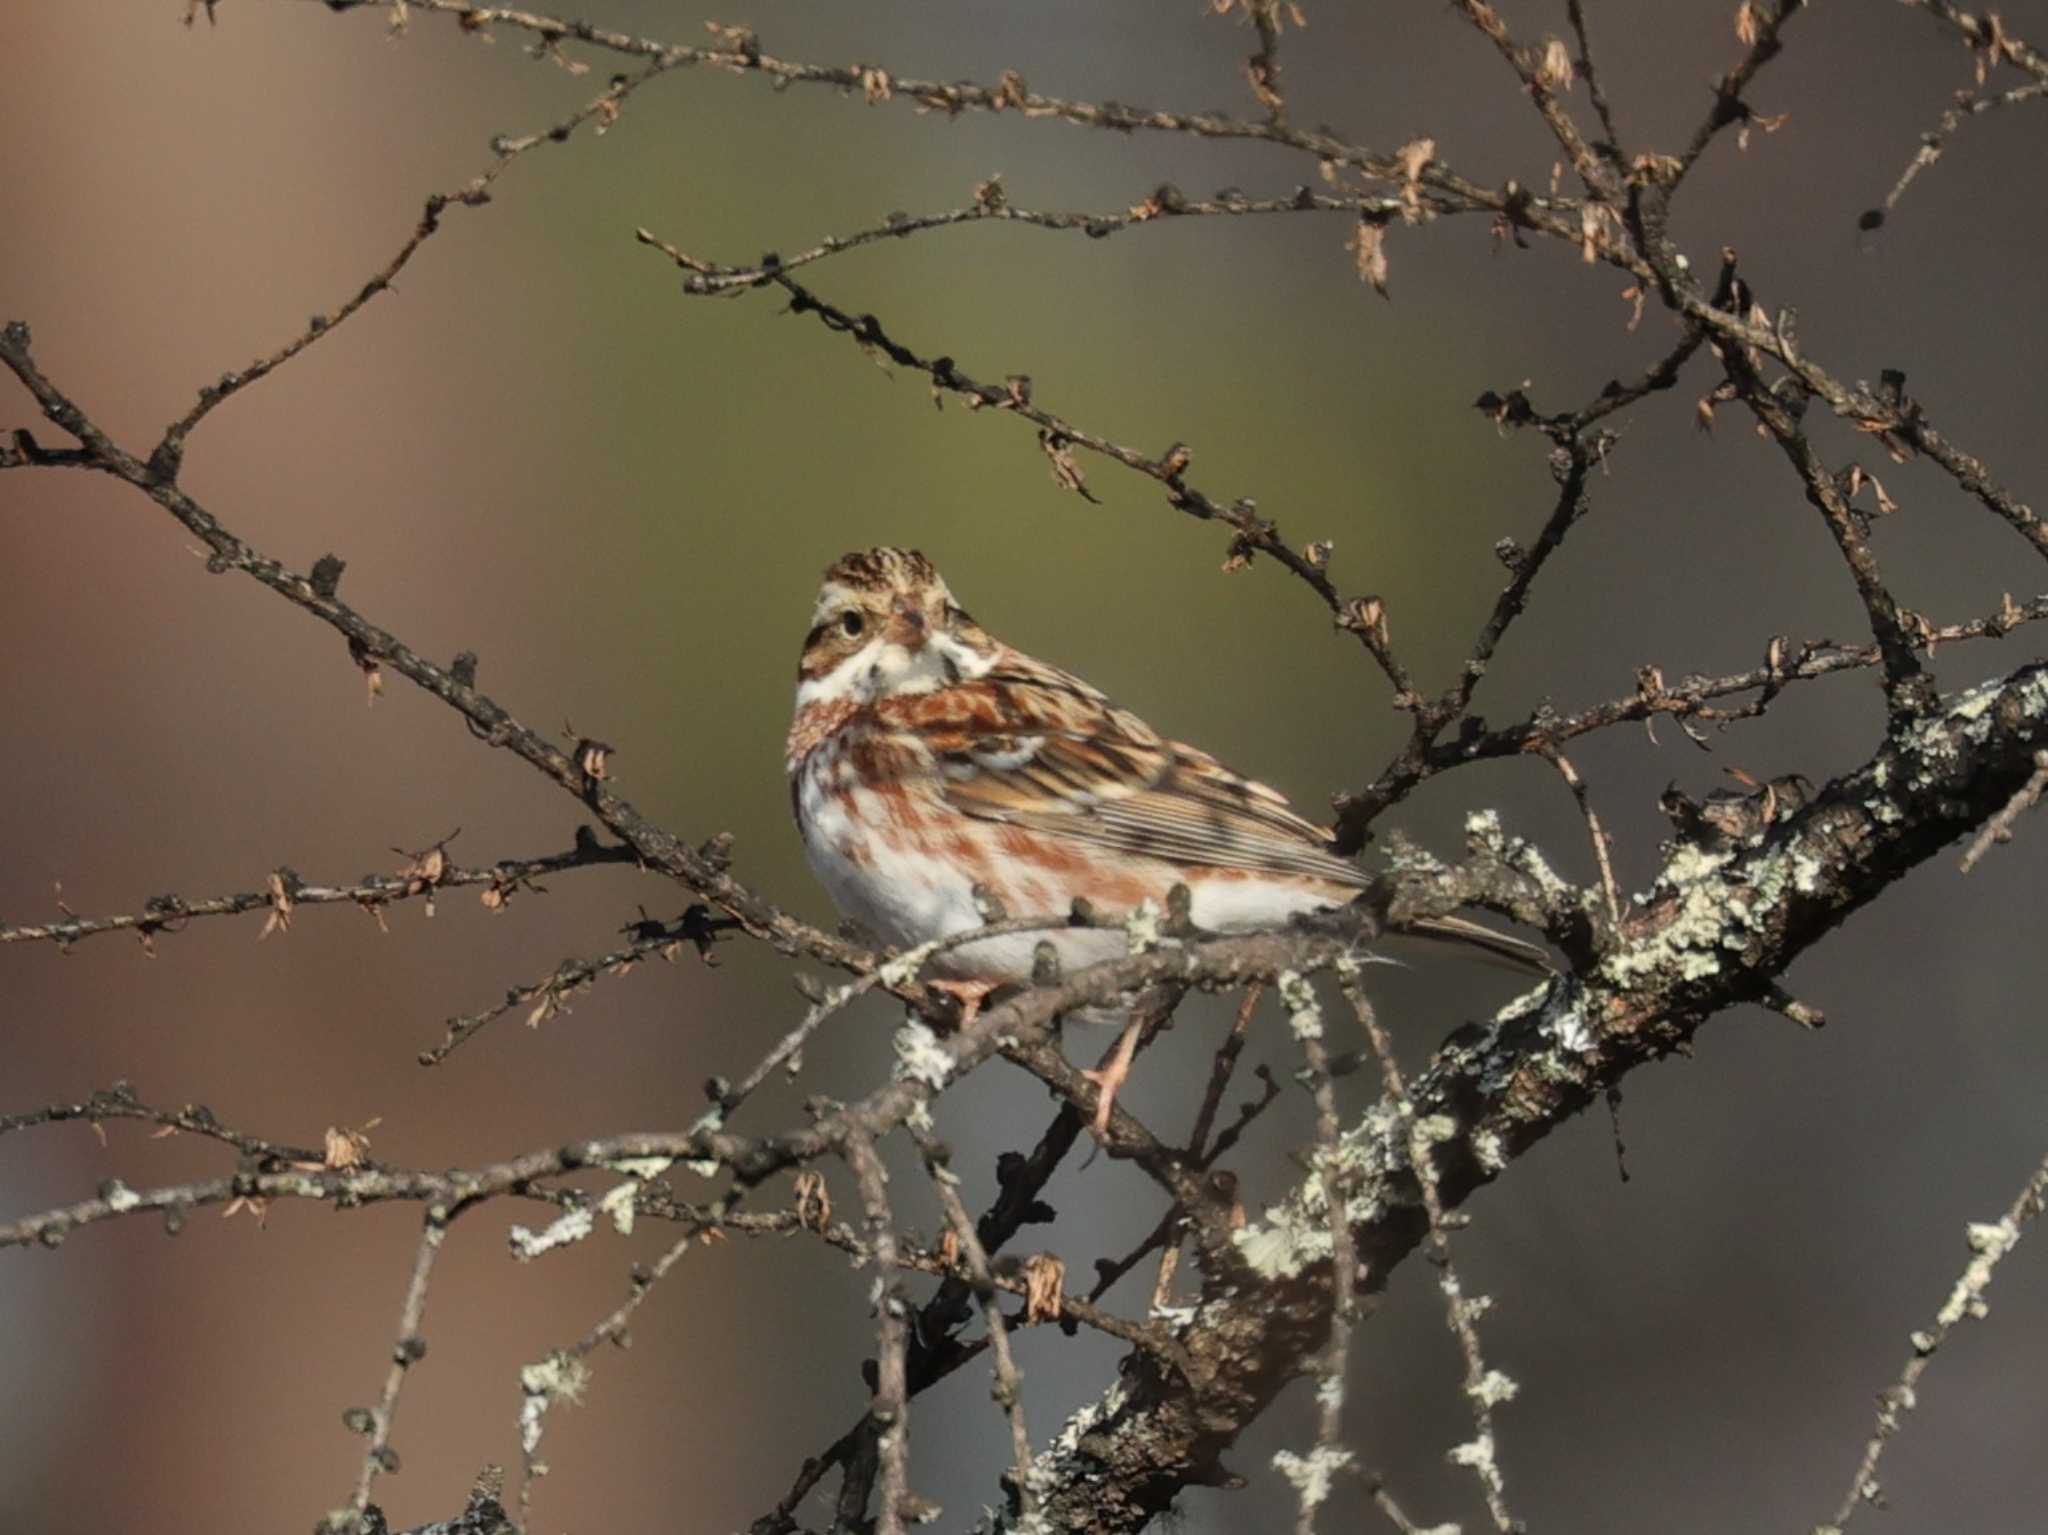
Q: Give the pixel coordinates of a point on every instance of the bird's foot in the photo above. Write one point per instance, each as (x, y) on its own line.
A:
(1110, 1076)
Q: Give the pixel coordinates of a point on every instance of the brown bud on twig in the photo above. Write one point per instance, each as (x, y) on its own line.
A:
(1044, 1274)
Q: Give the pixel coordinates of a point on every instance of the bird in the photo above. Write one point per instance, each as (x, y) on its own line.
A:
(937, 774)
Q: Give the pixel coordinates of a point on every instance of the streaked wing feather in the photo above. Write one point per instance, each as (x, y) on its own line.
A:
(1060, 759)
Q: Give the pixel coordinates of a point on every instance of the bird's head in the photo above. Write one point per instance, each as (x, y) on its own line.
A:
(886, 624)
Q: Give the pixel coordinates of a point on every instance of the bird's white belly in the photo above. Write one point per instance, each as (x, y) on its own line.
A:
(882, 877)
(881, 880)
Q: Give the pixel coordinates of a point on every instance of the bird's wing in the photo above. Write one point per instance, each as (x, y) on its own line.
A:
(1033, 746)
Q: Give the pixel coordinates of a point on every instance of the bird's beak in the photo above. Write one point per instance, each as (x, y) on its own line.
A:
(907, 626)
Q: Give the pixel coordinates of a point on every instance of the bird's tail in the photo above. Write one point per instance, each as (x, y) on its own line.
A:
(1516, 953)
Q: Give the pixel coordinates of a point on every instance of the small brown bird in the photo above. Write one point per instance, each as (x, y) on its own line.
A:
(928, 759)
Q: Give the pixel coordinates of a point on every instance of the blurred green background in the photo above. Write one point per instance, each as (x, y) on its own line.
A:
(538, 448)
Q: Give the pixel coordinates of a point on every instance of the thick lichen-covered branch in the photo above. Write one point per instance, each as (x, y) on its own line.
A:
(1724, 918)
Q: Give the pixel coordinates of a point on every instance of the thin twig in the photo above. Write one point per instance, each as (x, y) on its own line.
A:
(1375, 1484)
(550, 995)
(285, 891)
(581, 771)
(169, 452)
(120, 1102)
(1989, 1243)
(741, 53)
(1689, 699)
(1313, 1476)
(1016, 1028)
(890, 1412)
(1222, 1068)
(1576, 10)
(1164, 1237)
(1908, 689)
(1008, 1387)
(896, 971)
(1162, 206)
(1999, 828)
(1935, 141)
(1594, 831)
(1760, 22)
(561, 1376)
(1484, 1388)
(406, 1350)
(1986, 34)
(1546, 82)
(1887, 413)
(1252, 534)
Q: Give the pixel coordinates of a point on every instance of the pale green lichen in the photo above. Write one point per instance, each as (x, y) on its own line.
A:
(1141, 927)
(1492, 1389)
(920, 1057)
(646, 1169)
(1053, 1466)
(1476, 1453)
(710, 1122)
(1484, 833)
(1489, 1150)
(1288, 1242)
(1405, 857)
(1437, 1128)
(557, 1378)
(1989, 1241)
(1562, 1018)
(1689, 941)
(900, 971)
(573, 1226)
(1312, 1474)
(1304, 1012)
(618, 1203)
(119, 1197)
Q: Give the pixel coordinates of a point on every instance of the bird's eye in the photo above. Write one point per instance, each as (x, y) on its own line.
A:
(852, 624)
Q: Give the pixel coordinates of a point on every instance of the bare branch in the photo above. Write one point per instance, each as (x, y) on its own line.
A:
(1758, 24)
(891, 1410)
(1687, 700)
(549, 996)
(1989, 1243)
(1935, 141)
(1546, 74)
(407, 1349)
(1007, 1389)
(1162, 205)
(1999, 828)
(1887, 413)
(562, 1375)
(1485, 1388)
(702, 870)
(1704, 936)
(1986, 36)
(1908, 689)
(901, 969)
(166, 457)
(285, 891)
(1252, 534)
(1594, 833)
(878, 85)
(1312, 1476)
(1576, 10)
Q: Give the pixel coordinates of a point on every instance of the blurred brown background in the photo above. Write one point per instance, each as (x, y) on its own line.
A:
(537, 448)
